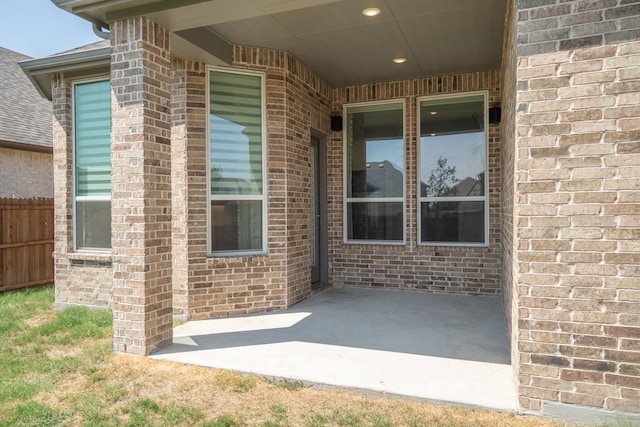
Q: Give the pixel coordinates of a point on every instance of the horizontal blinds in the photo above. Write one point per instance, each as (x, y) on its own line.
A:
(235, 126)
(465, 99)
(367, 108)
(92, 121)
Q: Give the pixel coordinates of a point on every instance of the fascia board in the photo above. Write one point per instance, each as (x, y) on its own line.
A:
(39, 70)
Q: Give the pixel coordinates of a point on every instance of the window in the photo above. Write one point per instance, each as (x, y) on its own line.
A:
(92, 165)
(236, 163)
(452, 170)
(374, 176)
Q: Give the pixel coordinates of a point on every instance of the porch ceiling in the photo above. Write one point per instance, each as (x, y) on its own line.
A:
(332, 36)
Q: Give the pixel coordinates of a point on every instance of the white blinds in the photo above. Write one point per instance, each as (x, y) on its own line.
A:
(235, 126)
(92, 119)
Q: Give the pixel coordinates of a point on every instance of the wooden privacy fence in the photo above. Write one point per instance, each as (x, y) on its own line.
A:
(26, 243)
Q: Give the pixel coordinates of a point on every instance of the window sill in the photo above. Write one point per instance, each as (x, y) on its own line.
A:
(453, 245)
(375, 242)
(236, 261)
(92, 257)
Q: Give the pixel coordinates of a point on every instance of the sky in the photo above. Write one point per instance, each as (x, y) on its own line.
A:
(38, 28)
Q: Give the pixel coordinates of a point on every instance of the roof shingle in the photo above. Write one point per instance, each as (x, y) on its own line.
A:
(25, 116)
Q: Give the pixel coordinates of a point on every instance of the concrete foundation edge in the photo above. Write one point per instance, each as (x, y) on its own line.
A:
(578, 414)
(60, 306)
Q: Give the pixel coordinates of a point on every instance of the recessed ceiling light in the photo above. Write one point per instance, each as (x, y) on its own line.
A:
(433, 113)
(399, 60)
(432, 134)
(371, 11)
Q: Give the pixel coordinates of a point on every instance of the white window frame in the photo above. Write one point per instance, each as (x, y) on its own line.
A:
(345, 162)
(227, 197)
(75, 198)
(484, 198)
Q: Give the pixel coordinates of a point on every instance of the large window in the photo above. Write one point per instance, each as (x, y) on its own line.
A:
(92, 165)
(452, 170)
(374, 175)
(236, 163)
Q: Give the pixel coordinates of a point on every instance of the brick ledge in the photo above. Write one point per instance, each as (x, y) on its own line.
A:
(90, 256)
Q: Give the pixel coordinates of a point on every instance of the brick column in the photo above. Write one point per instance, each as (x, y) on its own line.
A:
(141, 186)
(62, 177)
(576, 204)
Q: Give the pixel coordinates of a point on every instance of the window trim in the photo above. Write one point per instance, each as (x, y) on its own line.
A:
(240, 197)
(345, 182)
(485, 198)
(74, 197)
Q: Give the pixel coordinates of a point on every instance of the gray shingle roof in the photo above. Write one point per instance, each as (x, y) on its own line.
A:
(87, 47)
(25, 116)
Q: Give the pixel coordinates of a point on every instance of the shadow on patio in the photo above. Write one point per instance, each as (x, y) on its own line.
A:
(447, 348)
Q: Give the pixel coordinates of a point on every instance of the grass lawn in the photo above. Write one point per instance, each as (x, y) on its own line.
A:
(57, 369)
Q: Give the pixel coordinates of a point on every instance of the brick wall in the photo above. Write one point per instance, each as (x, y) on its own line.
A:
(188, 186)
(80, 278)
(468, 270)
(26, 174)
(250, 284)
(564, 197)
(308, 107)
(577, 203)
(296, 101)
(508, 153)
(141, 185)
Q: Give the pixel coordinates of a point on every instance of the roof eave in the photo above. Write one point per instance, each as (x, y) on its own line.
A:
(85, 9)
(40, 70)
(104, 11)
(26, 147)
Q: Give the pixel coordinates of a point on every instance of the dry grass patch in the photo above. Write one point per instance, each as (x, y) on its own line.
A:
(125, 384)
(39, 320)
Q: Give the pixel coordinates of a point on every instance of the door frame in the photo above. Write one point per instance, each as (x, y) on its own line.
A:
(321, 192)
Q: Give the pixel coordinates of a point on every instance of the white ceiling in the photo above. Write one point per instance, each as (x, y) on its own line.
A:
(343, 46)
(331, 36)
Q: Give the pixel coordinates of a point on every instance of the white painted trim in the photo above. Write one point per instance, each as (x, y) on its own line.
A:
(376, 242)
(231, 197)
(93, 198)
(345, 164)
(453, 199)
(75, 198)
(374, 199)
(265, 181)
(484, 198)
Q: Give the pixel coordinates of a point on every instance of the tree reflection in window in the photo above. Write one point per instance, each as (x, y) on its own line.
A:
(452, 167)
(441, 180)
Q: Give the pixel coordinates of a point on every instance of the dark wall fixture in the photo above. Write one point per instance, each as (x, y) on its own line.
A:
(494, 115)
(336, 123)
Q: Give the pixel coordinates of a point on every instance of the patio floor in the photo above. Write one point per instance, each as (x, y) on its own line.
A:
(447, 348)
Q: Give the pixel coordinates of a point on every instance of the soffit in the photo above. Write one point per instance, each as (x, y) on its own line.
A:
(347, 48)
(333, 37)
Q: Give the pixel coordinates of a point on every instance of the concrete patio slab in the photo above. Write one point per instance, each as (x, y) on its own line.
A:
(448, 348)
